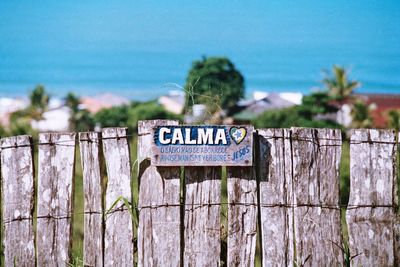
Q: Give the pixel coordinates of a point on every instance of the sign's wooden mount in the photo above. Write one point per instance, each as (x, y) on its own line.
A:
(203, 145)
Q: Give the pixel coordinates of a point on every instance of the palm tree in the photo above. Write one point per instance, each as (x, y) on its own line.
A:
(340, 88)
(39, 102)
(80, 119)
(338, 84)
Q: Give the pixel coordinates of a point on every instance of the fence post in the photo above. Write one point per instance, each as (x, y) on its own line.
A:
(242, 216)
(159, 235)
(90, 148)
(274, 170)
(118, 238)
(202, 216)
(55, 202)
(314, 194)
(371, 213)
(17, 200)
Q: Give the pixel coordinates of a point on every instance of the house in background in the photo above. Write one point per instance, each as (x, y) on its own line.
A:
(55, 119)
(174, 102)
(380, 105)
(10, 105)
(248, 110)
(383, 103)
(96, 103)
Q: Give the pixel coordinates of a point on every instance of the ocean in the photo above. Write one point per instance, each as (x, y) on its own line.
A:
(142, 51)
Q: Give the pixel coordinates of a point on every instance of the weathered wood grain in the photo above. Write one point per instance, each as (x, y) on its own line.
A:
(397, 239)
(274, 171)
(17, 200)
(373, 178)
(90, 149)
(118, 239)
(159, 235)
(314, 192)
(242, 216)
(202, 216)
(55, 202)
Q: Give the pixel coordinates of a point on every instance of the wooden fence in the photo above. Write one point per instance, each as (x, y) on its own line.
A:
(290, 198)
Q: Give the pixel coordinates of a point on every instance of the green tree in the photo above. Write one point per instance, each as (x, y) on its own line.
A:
(20, 121)
(290, 117)
(338, 84)
(148, 111)
(311, 113)
(129, 115)
(113, 117)
(214, 81)
(3, 131)
(318, 103)
(80, 119)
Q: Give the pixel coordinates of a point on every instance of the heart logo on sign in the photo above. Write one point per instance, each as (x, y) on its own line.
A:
(238, 134)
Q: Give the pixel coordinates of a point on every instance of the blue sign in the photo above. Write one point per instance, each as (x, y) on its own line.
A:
(203, 145)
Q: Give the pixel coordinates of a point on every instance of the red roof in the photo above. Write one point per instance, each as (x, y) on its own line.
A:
(384, 103)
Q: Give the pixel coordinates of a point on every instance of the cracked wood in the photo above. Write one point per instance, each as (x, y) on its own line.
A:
(17, 201)
(373, 182)
(242, 218)
(274, 171)
(55, 203)
(159, 235)
(118, 238)
(90, 148)
(202, 221)
(315, 157)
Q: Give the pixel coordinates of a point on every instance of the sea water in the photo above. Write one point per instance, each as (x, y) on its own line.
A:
(142, 51)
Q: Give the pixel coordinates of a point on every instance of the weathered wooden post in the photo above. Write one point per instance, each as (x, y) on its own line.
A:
(242, 212)
(118, 238)
(371, 210)
(202, 216)
(274, 171)
(159, 232)
(17, 187)
(90, 148)
(203, 150)
(313, 191)
(55, 201)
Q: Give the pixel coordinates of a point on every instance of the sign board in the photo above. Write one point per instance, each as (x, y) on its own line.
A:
(219, 145)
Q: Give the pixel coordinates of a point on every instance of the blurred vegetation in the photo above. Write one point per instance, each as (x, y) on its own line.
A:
(304, 115)
(80, 120)
(361, 114)
(338, 85)
(128, 116)
(215, 82)
(20, 121)
(394, 119)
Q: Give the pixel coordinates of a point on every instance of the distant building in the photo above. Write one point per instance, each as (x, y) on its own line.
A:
(199, 114)
(383, 103)
(343, 115)
(380, 105)
(54, 120)
(173, 102)
(96, 103)
(10, 105)
(262, 101)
